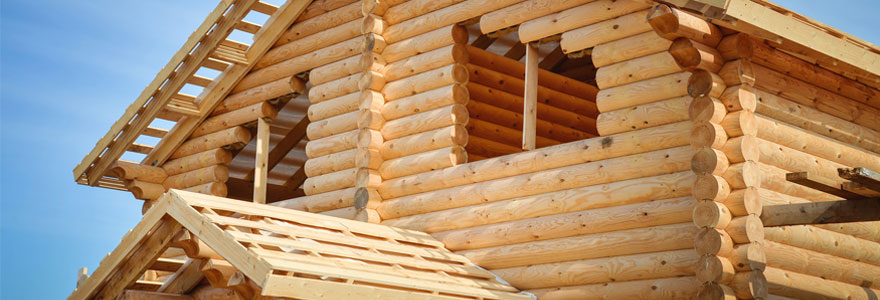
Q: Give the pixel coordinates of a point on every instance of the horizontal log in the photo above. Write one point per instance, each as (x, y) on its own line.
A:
(411, 9)
(674, 23)
(606, 244)
(800, 286)
(433, 119)
(145, 190)
(749, 256)
(666, 288)
(432, 99)
(437, 38)
(524, 11)
(516, 86)
(333, 125)
(638, 215)
(580, 16)
(425, 81)
(319, 16)
(320, 202)
(335, 88)
(605, 31)
(842, 211)
(637, 69)
(691, 55)
(306, 44)
(622, 168)
(546, 78)
(232, 136)
(423, 162)
(442, 17)
(751, 174)
(333, 107)
(713, 241)
(705, 109)
(216, 173)
(643, 116)
(503, 134)
(236, 117)
(332, 144)
(212, 188)
(713, 214)
(642, 92)
(330, 163)
(825, 241)
(488, 148)
(796, 161)
(739, 97)
(447, 55)
(197, 161)
(512, 102)
(544, 128)
(628, 48)
(745, 229)
(750, 285)
(134, 171)
(260, 93)
(329, 182)
(425, 141)
(595, 149)
(652, 265)
(341, 68)
(822, 265)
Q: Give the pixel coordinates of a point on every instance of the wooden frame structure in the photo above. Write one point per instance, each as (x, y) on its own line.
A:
(578, 149)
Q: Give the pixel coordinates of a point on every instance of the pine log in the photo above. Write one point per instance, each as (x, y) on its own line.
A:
(330, 163)
(340, 69)
(321, 16)
(306, 44)
(800, 286)
(750, 256)
(615, 243)
(716, 291)
(751, 174)
(524, 11)
(638, 215)
(637, 69)
(595, 149)
(709, 161)
(714, 269)
(642, 92)
(488, 148)
(652, 265)
(236, 117)
(713, 214)
(329, 182)
(302, 63)
(674, 23)
(497, 115)
(622, 168)
(432, 99)
(215, 173)
(825, 241)
(711, 187)
(197, 161)
(821, 265)
(580, 16)
(666, 288)
(643, 116)
(232, 136)
(422, 162)
(332, 144)
(745, 229)
(743, 202)
(512, 102)
(333, 107)
(711, 135)
(707, 109)
(603, 196)
(713, 241)
(260, 93)
(739, 97)
(437, 38)
(796, 161)
(333, 125)
(145, 190)
(447, 55)
(335, 88)
(628, 48)
(705, 83)
(605, 31)
(750, 285)
(411, 9)
(320, 202)
(692, 55)
(515, 85)
(425, 141)
(503, 134)
(133, 171)
(445, 116)
(546, 78)
(863, 230)
(212, 188)
(425, 81)
(442, 17)
(369, 139)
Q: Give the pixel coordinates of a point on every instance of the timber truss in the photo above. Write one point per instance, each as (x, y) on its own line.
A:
(861, 194)
(259, 250)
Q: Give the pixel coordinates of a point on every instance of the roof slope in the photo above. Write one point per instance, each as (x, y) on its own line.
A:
(295, 254)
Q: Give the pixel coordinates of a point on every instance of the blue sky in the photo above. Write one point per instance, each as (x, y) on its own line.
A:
(68, 69)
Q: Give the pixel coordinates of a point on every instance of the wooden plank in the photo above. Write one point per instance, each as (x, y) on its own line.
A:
(184, 279)
(263, 41)
(530, 100)
(821, 184)
(863, 176)
(483, 42)
(145, 295)
(139, 259)
(284, 146)
(261, 170)
(284, 286)
(516, 52)
(126, 130)
(843, 211)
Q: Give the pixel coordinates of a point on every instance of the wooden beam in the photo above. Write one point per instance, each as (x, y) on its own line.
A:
(277, 24)
(284, 146)
(843, 211)
(820, 184)
(144, 295)
(516, 52)
(530, 101)
(553, 59)
(81, 275)
(184, 279)
(863, 176)
(261, 171)
(244, 190)
(483, 42)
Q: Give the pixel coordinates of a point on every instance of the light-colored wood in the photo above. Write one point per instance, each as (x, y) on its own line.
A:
(628, 48)
(218, 189)
(693, 55)
(675, 159)
(825, 241)
(656, 138)
(332, 144)
(228, 137)
(674, 23)
(714, 269)
(801, 286)
(442, 17)
(436, 98)
(705, 83)
(423, 162)
(425, 81)
(530, 98)
(268, 91)
(309, 43)
(454, 53)
(261, 161)
(145, 295)
(642, 92)
(199, 160)
(632, 241)
(425, 141)
(333, 125)
(241, 116)
(516, 14)
(433, 119)
(643, 116)
(750, 285)
(434, 39)
(133, 171)
(330, 163)
(336, 88)
(636, 69)
(580, 16)
(514, 103)
(340, 69)
(320, 202)
(215, 173)
(605, 31)
(748, 257)
(503, 134)
(334, 107)
(145, 190)
(329, 182)
(685, 287)
(821, 265)
(319, 16)
(497, 115)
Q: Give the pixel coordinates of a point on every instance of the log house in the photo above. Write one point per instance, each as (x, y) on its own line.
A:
(500, 149)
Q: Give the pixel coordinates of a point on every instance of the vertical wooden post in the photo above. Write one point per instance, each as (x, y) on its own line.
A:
(261, 161)
(530, 94)
(81, 275)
